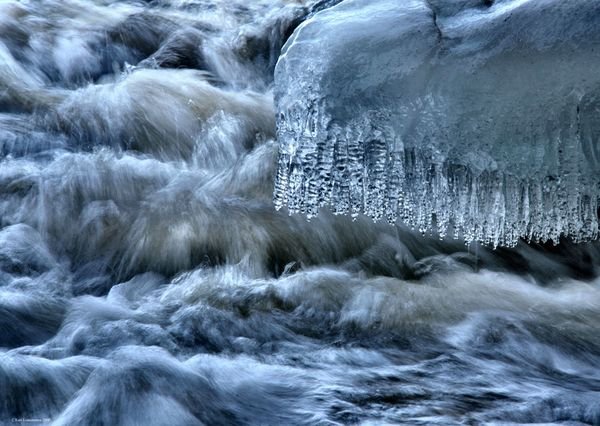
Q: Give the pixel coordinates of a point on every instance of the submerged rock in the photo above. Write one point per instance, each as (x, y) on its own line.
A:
(470, 117)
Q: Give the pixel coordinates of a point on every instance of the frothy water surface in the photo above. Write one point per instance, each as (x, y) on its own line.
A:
(146, 279)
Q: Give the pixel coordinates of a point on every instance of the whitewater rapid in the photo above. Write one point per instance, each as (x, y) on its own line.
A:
(147, 279)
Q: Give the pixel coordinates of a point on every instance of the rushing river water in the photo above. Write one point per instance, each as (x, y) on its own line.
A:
(146, 279)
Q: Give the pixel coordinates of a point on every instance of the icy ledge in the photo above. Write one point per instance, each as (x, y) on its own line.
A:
(472, 118)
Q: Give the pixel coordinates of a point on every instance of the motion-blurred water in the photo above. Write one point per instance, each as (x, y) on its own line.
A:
(146, 279)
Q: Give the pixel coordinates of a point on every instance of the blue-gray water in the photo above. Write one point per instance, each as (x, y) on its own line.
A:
(146, 279)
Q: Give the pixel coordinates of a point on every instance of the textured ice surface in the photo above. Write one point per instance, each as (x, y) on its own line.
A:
(473, 118)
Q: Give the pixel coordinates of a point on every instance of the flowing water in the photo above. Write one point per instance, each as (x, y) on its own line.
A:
(146, 278)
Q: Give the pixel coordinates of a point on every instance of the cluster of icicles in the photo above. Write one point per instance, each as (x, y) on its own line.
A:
(363, 168)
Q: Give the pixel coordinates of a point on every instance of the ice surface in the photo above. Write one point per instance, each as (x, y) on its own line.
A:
(473, 118)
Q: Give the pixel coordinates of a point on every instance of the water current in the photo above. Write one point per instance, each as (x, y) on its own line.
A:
(147, 279)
